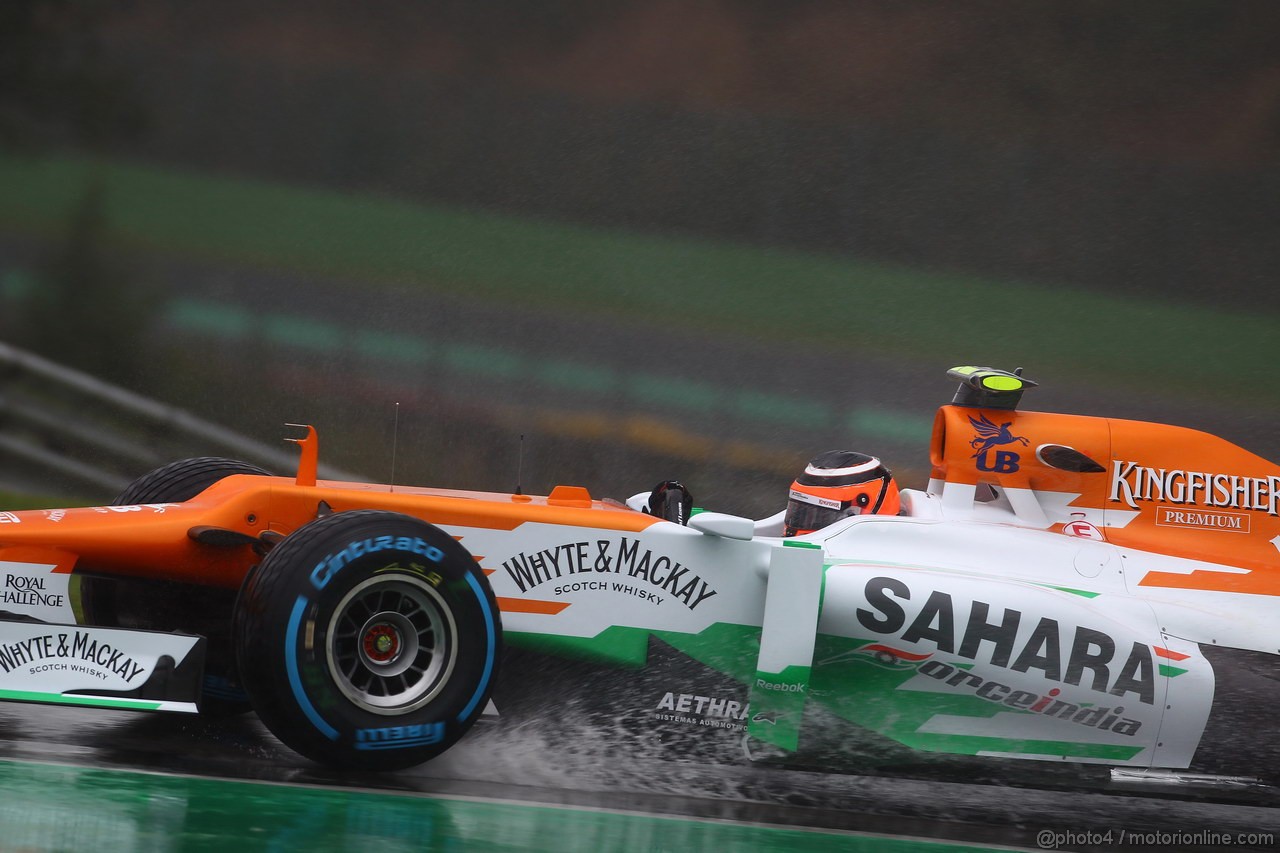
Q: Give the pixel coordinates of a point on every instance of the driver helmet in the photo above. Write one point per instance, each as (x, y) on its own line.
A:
(837, 484)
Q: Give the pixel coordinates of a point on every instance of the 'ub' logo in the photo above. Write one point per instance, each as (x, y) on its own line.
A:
(1004, 461)
(991, 436)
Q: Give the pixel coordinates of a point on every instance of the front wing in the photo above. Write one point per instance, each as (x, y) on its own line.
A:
(100, 667)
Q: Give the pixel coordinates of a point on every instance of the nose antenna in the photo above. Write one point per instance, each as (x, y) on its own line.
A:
(395, 438)
(520, 468)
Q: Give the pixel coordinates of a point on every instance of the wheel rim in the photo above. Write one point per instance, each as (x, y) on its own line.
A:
(391, 644)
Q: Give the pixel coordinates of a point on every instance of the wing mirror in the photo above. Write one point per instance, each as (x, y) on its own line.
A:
(724, 526)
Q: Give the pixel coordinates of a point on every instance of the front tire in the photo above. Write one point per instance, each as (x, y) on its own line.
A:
(183, 480)
(368, 640)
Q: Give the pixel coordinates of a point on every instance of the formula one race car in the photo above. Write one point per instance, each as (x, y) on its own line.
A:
(1067, 589)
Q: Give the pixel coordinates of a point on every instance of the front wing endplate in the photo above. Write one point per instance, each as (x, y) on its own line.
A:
(100, 667)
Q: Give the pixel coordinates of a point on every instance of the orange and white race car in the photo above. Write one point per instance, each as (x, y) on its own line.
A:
(1069, 589)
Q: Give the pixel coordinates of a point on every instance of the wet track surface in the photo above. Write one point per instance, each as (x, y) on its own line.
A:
(79, 779)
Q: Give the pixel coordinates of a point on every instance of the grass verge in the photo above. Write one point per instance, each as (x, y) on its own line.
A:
(834, 303)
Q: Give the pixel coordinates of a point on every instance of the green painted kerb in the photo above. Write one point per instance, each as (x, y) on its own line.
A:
(54, 808)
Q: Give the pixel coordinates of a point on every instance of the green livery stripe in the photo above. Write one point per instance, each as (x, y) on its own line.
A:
(869, 691)
(727, 648)
(844, 680)
(617, 645)
(870, 695)
(731, 649)
(1083, 593)
(1171, 671)
(89, 701)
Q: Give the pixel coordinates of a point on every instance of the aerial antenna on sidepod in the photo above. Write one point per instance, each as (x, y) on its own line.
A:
(520, 468)
(395, 438)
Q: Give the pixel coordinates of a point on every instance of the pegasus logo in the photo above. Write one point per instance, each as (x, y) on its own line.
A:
(990, 436)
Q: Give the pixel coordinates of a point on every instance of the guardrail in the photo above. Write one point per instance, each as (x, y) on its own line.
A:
(64, 433)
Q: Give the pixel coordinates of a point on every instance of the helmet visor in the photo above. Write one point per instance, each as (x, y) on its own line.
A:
(807, 513)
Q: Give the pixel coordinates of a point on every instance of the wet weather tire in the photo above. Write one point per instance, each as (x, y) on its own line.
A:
(368, 640)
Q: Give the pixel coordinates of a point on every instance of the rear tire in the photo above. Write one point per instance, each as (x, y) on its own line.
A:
(368, 640)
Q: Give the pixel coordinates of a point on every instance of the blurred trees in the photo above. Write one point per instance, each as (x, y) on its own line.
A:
(89, 308)
(1170, 79)
(83, 305)
(56, 85)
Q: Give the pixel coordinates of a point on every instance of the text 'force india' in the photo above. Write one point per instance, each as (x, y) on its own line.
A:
(1068, 589)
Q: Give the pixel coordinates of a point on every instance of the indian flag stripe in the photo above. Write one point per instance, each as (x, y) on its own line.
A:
(898, 653)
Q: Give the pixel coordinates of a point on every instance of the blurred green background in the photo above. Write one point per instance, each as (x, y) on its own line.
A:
(703, 240)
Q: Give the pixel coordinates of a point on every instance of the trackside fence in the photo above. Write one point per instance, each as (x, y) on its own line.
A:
(66, 434)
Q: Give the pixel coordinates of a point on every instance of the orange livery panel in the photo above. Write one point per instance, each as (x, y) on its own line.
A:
(1152, 487)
